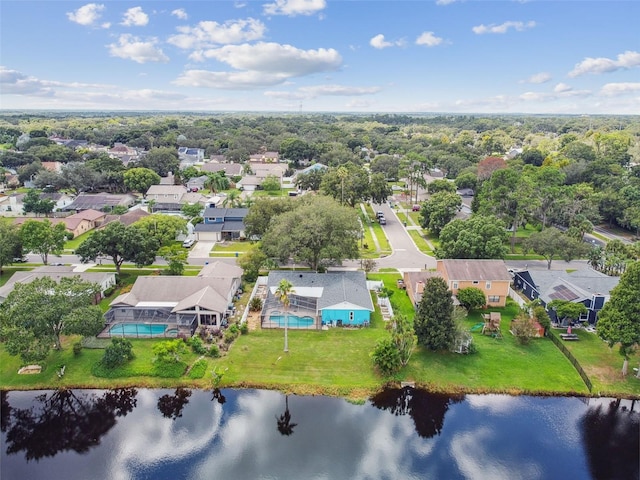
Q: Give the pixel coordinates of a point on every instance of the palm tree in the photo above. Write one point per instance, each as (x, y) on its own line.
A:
(285, 427)
(216, 182)
(342, 173)
(282, 293)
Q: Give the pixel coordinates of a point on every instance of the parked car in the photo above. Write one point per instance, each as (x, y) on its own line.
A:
(382, 220)
(379, 214)
(20, 260)
(415, 208)
(188, 243)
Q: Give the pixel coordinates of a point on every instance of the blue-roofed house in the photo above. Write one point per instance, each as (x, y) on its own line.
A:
(221, 224)
(587, 286)
(332, 298)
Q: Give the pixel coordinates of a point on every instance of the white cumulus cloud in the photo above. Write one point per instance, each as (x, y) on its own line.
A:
(379, 42)
(541, 77)
(623, 61)
(276, 58)
(615, 89)
(445, 2)
(208, 33)
(428, 39)
(133, 48)
(87, 15)
(562, 87)
(135, 17)
(180, 13)
(503, 27)
(292, 8)
(229, 80)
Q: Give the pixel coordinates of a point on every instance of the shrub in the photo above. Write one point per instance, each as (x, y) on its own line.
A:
(386, 357)
(118, 353)
(244, 328)
(77, 348)
(198, 369)
(255, 305)
(197, 346)
(523, 328)
(169, 351)
(471, 298)
(230, 335)
(214, 351)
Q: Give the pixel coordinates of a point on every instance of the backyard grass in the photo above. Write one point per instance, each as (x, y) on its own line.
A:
(337, 361)
(603, 365)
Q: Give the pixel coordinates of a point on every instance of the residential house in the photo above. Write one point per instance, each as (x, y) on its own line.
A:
(261, 171)
(171, 198)
(414, 283)
(55, 167)
(13, 203)
(132, 216)
(99, 201)
(218, 159)
(490, 276)
(190, 156)
(197, 183)
(179, 303)
(586, 286)
(230, 169)
(221, 224)
(332, 298)
(104, 279)
(265, 157)
(77, 223)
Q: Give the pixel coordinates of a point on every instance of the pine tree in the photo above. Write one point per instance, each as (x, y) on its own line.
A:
(434, 323)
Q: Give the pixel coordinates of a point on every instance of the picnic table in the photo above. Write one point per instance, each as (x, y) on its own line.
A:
(569, 336)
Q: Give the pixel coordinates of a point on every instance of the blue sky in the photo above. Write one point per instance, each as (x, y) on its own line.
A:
(570, 57)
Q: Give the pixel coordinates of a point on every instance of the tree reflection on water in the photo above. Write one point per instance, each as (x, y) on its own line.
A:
(611, 437)
(426, 409)
(64, 420)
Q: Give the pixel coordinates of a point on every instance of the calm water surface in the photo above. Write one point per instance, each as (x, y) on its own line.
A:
(254, 434)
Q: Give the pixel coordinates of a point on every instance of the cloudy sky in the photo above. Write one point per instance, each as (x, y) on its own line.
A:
(476, 56)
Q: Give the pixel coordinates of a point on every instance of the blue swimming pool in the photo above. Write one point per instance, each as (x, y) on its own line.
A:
(293, 321)
(135, 329)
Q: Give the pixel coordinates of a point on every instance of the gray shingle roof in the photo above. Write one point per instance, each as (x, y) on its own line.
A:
(337, 287)
(580, 284)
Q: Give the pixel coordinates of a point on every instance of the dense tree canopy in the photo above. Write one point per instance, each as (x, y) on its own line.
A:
(35, 314)
(11, 244)
(43, 238)
(140, 179)
(619, 319)
(318, 232)
(477, 237)
(552, 243)
(120, 244)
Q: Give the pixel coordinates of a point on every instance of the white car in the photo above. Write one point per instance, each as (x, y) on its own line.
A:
(188, 243)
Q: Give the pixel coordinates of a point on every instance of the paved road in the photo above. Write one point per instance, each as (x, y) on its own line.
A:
(405, 256)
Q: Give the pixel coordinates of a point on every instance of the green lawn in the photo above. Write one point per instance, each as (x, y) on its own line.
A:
(602, 364)
(337, 361)
(420, 242)
(229, 249)
(71, 245)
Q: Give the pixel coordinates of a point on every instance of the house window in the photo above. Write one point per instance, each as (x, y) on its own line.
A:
(351, 316)
(476, 282)
(494, 299)
(488, 285)
(455, 285)
(584, 316)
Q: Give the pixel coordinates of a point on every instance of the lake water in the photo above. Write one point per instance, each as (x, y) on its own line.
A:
(256, 434)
